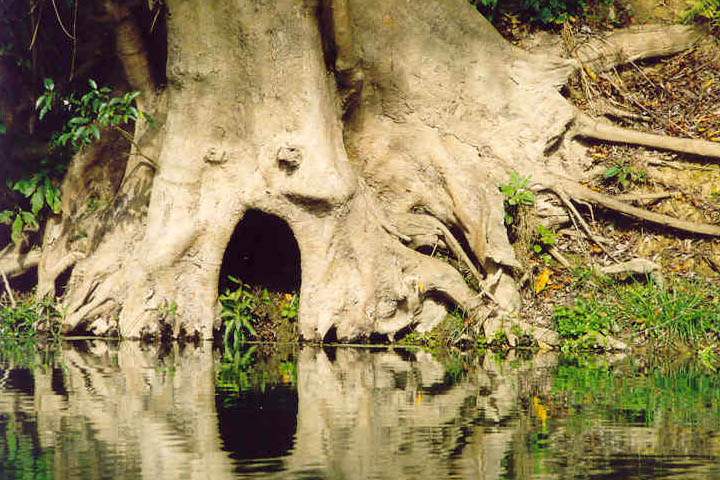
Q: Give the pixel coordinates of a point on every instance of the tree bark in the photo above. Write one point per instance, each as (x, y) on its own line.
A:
(373, 128)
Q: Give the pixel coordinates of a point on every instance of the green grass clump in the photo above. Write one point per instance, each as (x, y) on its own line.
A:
(686, 312)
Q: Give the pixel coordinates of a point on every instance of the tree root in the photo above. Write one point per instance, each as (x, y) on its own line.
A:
(591, 128)
(577, 192)
(603, 53)
(14, 264)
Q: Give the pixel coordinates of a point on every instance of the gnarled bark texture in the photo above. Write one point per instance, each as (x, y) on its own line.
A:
(377, 130)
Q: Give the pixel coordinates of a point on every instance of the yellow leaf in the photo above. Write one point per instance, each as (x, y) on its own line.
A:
(542, 280)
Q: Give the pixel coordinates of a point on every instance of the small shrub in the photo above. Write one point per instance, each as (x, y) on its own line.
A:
(42, 194)
(624, 175)
(545, 239)
(687, 312)
(585, 317)
(91, 113)
(517, 195)
(30, 318)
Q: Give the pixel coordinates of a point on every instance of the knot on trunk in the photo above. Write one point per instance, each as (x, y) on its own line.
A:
(289, 159)
(214, 157)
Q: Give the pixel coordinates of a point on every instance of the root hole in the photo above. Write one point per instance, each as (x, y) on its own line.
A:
(263, 253)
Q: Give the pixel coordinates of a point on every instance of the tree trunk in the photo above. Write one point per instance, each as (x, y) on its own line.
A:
(377, 130)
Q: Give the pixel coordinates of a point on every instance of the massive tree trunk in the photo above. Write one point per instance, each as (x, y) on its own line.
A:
(377, 130)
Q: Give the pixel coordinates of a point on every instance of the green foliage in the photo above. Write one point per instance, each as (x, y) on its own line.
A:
(289, 308)
(517, 194)
(704, 11)
(238, 313)
(624, 175)
(44, 103)
(90, 113)
(545, 12)
(41, 193)
(545, 239)
(585, 317)
(687, 312)
(29, 318)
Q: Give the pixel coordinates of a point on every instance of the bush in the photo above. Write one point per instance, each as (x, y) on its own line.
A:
(29, 318)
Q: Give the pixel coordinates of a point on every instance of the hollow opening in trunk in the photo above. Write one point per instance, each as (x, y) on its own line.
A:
(263, 253)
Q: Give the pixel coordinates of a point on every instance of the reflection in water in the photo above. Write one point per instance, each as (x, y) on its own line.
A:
(104, 410)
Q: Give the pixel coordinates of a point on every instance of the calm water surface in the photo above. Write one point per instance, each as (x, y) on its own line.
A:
(100, 410)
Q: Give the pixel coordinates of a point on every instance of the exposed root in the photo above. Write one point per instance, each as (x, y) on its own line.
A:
(8, 290)
(643, 197)
(599, 130)
(14, 264)
(585, 227)
(578, 192)
(603, 53)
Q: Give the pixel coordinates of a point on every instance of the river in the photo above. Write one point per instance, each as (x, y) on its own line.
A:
(124, 410)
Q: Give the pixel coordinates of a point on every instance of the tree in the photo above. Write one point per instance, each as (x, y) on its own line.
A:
(377, 130)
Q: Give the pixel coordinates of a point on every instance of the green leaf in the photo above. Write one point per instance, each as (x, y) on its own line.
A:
(612, 172)
(37, 202)
(29, 220)
(79, 121)
(49, 84)
(92, 84)
(17, 229)
(25, 186)
(6, 217)
(3, 128)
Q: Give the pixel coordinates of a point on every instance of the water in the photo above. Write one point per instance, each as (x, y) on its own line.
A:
(100, 410)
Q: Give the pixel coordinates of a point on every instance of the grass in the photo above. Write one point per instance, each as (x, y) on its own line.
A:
(684, 314)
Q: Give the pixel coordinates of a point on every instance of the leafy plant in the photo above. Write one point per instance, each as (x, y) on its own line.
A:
(29, 318)
(706, 11)
(290, 306)
(45, 102)
(624, 175)
(517, 194)
(238, 308)
(557, 12)
(546, 238)
(42, 193)
(585, 317)
(91, 113)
